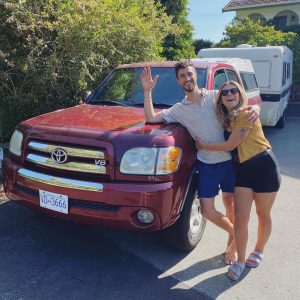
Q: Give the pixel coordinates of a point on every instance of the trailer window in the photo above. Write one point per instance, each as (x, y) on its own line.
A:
(288, 70)
(284, 74)
(249, 81)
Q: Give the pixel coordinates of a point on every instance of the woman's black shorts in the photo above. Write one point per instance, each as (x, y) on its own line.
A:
(260, 173)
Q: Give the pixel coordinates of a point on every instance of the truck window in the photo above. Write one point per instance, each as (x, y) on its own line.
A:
(219, 78)
(123, 85)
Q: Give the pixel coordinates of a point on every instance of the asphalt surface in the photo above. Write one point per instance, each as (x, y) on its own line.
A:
(41, 257)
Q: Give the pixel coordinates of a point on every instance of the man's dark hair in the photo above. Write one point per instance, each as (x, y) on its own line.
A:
(182, 64)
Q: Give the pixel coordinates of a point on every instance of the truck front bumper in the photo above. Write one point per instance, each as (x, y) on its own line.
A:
(112, 204)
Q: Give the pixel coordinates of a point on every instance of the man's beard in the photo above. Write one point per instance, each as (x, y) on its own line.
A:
(189, 88)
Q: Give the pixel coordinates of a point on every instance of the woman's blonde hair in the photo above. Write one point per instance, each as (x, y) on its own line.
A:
(223, 115)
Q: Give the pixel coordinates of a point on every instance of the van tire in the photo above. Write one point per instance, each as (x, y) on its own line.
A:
(187, 232)
(281, 122)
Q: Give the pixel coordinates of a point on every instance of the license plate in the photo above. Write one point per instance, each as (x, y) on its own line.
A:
(54, 201)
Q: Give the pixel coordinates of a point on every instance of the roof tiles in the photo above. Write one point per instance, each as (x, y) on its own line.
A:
(239, 4)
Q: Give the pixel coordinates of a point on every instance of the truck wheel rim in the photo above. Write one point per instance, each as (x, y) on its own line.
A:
(196, 217)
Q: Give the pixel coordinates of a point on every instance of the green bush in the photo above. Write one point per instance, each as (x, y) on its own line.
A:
(53, 50)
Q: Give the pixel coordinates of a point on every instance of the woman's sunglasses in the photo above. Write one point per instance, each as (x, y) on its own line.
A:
(233, 91)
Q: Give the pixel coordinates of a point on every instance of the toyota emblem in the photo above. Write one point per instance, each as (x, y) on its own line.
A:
(59, 155)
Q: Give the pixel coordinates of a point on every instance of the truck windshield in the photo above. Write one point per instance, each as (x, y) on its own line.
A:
(123, 87)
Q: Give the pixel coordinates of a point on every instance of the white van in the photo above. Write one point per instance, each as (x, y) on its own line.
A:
(242, 72)
(273, 68)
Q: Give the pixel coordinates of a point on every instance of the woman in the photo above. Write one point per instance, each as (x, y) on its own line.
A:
(257, 179)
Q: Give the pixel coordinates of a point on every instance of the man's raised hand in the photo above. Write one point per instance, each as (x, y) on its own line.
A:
(146, 78)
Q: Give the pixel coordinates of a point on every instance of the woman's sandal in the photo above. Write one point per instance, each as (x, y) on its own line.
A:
(236, 271)
(256, 257)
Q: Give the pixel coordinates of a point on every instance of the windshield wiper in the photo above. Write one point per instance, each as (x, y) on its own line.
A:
(111, 102)
(155, 104)
(161, 105)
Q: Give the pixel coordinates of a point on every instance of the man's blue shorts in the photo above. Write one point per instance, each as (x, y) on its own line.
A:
(212, 177)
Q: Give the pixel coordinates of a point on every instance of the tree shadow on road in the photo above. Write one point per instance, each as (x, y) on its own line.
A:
(47, 258)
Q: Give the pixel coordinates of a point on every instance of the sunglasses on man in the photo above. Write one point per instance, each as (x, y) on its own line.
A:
(232, 91)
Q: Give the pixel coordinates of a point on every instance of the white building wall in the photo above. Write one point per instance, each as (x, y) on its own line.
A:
(268, 12)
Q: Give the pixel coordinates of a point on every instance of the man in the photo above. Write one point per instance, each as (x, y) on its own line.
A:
(196, 112)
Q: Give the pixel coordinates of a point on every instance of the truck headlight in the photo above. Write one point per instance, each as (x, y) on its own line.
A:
(139, 161)
(150, 161)
(16, 143)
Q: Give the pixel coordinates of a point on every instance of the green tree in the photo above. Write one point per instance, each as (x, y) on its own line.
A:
(52, 50)
(255, 33)
(201, 44)
(180, 44)
(292, 28)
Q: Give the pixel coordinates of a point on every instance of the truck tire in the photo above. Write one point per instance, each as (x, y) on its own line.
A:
(187, 232)
(281, 122)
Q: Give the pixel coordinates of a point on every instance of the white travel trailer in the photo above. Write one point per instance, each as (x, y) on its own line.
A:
(273, 68)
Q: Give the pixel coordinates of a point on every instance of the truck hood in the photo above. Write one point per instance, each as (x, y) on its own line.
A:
(106, 123)
(89, 117)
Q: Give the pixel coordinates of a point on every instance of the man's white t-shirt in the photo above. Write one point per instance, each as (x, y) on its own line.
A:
(200, 119)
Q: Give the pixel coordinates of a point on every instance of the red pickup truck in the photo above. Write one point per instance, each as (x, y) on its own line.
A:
(100, 163)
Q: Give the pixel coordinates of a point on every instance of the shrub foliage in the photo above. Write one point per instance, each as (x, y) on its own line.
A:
(53, 50)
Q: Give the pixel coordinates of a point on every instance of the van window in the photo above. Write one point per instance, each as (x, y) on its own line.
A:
(284, 74)
(253, 82)
(232, 75)
(249, 81)
(219, 78)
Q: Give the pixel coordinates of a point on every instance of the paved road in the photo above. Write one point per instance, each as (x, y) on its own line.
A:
(45, 258)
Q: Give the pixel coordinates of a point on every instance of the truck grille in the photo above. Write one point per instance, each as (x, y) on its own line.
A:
(68, 158)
